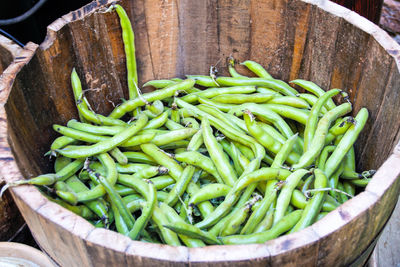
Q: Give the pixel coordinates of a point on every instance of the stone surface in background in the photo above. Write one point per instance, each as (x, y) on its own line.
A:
(390, 18)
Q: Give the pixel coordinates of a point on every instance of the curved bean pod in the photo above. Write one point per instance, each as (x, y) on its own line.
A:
(208, 192)
(199, 160)
(277, 85)
(285, 224)
(262, 174)
(213, 92)
(346, 142)
(314, 204)
(101, 147)
(312, 120)
(132, 104)
(318, 141)
(257, 69)
(285, 195)
(217, 155)
(242, 98)
(315, 89)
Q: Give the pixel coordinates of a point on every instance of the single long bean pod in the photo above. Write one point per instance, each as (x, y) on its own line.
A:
(260, 212)
(220, 106)
(273, 132)
(138, 140)
(231, 68)
(239, 217)
(314, 205)
(69, 169)
(139, 157)
(89, 115)
(190, 122)
(264, 138)
(199, 160)
(346, 142)
(205, 207)
(171, 125)
(157, 122)
(349, 171)
(266, 222)
(296, 114)
(95, 129)
(159, 83)
(208, 192)
(315, 89)
(61, 142)
(285, 195)
(217, 154)
(141, 222)
(77, 90)
(79, 135)
(292, 101)
(120, 224)
(193, 232)
(132, 167)
(213, 92)
(136, 180)
(284, 152)
(180, 186)
(285, 224)
(175, 170)
(323, 156)
(235, 155)
(101, 147)
(114, 197)
(262, 174)
(162, 181)
(132, 104)
(128, 38)
(257, 69)
(196, 141)
(160, 219)
(203, 80)
(312, 120)
(173, 136)
(243, 98)
(318, 141)
(277, 85)
(173, 217)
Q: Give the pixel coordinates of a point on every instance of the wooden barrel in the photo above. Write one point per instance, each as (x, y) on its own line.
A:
(314, 40)
(11, 221)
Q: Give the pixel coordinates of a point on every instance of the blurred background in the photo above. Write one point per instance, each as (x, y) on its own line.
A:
(384, 13)
(34, 27)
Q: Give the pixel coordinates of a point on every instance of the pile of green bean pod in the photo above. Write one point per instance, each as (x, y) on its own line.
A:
(207, 160)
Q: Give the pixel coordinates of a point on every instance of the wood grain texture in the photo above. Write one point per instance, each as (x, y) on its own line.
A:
(8, 51)
(11, 220)
(314, 40)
